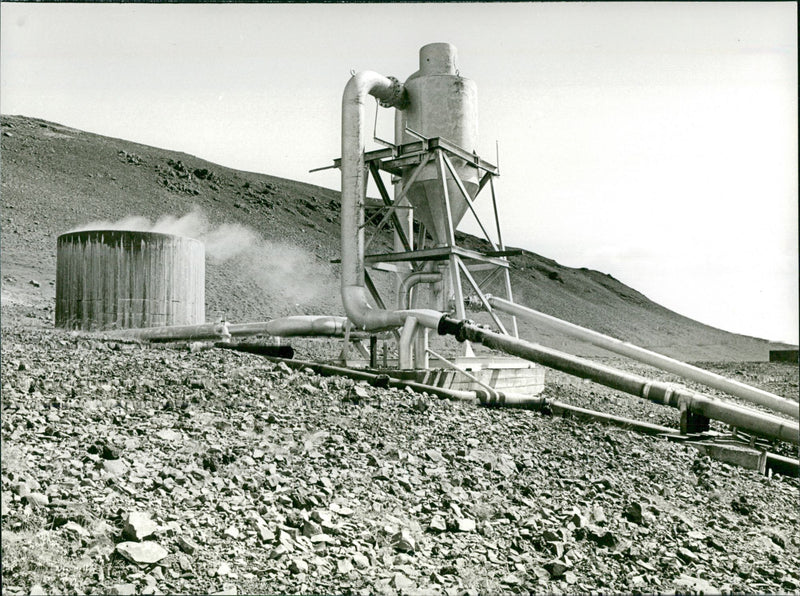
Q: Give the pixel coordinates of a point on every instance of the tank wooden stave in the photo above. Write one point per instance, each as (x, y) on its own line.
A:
(120, 279)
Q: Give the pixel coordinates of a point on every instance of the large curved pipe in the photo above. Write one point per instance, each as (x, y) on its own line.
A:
(708, 378)
(354, 185)
(411, 280)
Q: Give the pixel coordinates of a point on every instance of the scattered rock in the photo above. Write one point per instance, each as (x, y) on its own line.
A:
(438, 524)
(311, 528)
(344, 566)
(142, 552)
(360, 561)
(298, 566)
(138, 526)
(557, 568)
(599, 516)
(741, 505)
(599, 536)
(402, 583)
(695, 584)
(169, 434)
(37, 499)
(466, 525)
(366, 505)
(403, 541)
(633, 512)
(187, 545)
(115, 467)
(123, 589)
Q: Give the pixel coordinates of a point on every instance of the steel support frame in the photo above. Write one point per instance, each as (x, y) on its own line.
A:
(459, 260)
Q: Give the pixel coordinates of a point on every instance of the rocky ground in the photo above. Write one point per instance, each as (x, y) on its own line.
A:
(130, 469)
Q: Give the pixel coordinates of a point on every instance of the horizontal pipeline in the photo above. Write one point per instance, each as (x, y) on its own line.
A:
(496, 398)
(693, 373)
(753, 421)
(297, 326)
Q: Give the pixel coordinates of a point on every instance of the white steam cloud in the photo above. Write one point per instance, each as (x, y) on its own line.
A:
(279, 269)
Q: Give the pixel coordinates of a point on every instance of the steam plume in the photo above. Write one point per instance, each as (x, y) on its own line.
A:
(277, 268)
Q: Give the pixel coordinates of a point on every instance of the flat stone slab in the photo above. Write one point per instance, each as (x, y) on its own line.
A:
(147, 552)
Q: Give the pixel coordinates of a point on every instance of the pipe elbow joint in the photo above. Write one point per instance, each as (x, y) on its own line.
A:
(390, 92)
(399, 95)
(363, 316)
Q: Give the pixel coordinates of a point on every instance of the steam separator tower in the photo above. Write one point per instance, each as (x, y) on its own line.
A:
(437, 177)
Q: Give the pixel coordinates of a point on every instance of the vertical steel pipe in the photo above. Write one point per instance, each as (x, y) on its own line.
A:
(354, 185)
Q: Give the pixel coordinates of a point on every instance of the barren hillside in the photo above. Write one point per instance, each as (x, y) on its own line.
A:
(55, 178)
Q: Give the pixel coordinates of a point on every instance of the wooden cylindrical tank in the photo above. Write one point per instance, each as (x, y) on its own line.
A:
(120, 279)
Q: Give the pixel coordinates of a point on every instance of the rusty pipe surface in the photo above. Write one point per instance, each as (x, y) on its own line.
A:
(693, 373)
(753, 421)
(354, 185)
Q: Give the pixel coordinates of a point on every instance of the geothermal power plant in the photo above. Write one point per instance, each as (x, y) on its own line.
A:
(150, 286)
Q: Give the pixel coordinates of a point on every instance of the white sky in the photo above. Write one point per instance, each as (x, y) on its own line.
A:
(653, 141)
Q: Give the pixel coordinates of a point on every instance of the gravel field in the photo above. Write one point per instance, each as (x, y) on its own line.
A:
(130, 469)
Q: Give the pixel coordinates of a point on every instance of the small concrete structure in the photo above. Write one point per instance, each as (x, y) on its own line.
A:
(500, 373)
(120, 279)
(792, 356)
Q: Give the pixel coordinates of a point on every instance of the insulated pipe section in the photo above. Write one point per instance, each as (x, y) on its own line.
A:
(218, 331)
(293, 327)
(735, 388)
(753, 421)
(311, 326)
(354, 185)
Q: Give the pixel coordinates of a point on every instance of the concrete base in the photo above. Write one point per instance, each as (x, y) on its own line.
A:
(740, 455)
(510, 374)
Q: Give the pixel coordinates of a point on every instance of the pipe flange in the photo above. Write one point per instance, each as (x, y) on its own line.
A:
(399, 97)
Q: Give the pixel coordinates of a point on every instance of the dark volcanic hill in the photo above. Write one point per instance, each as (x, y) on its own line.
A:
(56, 178)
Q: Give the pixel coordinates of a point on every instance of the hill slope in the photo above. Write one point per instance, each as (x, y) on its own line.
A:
(56, 178)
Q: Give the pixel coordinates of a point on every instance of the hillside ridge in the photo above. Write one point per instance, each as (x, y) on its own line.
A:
(56, 178)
